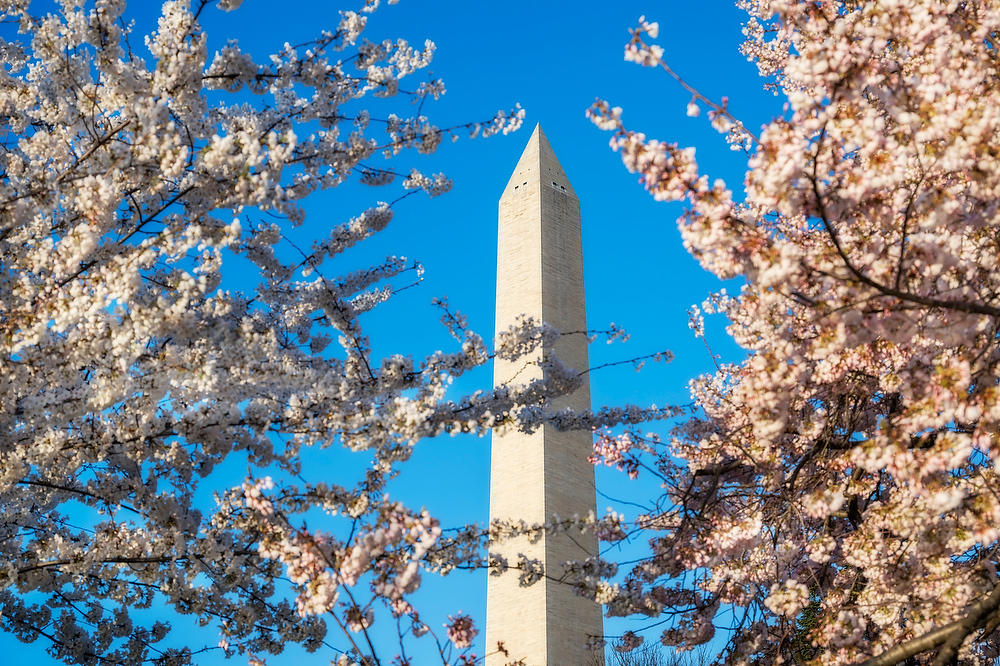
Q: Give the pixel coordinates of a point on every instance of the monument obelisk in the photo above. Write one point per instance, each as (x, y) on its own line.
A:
(536, 476)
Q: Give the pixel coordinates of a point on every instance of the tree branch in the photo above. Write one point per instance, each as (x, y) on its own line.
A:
(961, 306)
(950, 636)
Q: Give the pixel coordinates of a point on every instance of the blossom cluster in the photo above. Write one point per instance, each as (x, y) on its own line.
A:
(137, 378)
(837, 491)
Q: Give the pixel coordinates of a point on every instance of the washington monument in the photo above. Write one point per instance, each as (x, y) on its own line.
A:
(546, 473)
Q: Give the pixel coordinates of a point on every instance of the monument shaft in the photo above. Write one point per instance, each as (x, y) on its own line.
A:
(543, 474)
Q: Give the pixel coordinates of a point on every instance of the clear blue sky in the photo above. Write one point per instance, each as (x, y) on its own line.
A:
(553, 57)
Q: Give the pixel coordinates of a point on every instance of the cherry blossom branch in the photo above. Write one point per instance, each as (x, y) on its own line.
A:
(93, 148)
(960, 306)
(719, 109)
(949, 637)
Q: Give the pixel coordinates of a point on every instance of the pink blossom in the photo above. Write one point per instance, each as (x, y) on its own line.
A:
(461, 630)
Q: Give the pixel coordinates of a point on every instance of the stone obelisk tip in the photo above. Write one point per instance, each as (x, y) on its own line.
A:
(538, 162)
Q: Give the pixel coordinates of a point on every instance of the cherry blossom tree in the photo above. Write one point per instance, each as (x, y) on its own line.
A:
(131, 178)
(836, 500)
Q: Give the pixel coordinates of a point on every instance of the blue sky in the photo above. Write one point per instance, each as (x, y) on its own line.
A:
(554, 58)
